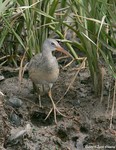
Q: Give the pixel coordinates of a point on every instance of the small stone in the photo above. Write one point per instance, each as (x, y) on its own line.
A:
(2, 77)
(15, 119)
(15, 102)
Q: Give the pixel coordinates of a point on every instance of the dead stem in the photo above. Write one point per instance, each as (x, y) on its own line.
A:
(103, 72)
(21, 71)
(113, 104)
(109, 96)
(75, 75)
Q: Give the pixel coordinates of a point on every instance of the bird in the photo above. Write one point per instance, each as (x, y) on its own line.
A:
(44, 71)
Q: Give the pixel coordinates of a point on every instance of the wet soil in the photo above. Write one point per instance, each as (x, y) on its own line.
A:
(87, 124)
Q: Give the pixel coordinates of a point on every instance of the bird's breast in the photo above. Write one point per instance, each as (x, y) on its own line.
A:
(46, 72)
(52, 70)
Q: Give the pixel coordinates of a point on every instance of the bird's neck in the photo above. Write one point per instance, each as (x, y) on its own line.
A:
(47, 54)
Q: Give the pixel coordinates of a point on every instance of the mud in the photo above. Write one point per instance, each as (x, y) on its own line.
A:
(85, 127)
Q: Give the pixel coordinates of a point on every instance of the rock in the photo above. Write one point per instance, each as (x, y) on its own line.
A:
(79, 141)
(17, 136)
(15, 102)
(15, 119)
(2, 77)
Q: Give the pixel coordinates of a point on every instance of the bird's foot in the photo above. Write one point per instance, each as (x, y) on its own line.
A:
(55, 109)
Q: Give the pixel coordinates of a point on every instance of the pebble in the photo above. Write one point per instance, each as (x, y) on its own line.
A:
(15, 119)
(15, 102)
(2, 77)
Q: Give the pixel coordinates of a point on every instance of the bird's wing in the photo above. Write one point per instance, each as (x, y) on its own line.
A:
(34, 67)
(37, 59)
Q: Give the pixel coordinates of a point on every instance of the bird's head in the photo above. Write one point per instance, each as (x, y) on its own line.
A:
(52, 45)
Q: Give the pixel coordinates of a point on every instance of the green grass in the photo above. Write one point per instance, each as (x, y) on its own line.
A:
(90, 27)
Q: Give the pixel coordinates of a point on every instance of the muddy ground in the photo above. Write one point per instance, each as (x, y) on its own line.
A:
(85, 127)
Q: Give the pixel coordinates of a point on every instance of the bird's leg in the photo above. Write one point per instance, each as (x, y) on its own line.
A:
(37, 91)
(40, 89)
(39, 97)
(54, 108)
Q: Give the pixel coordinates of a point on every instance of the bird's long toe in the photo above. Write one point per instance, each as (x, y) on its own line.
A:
(55, 110)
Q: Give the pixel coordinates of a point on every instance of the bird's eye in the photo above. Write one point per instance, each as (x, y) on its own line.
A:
(52, 44)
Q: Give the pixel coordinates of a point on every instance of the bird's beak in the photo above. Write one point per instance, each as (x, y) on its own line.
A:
(60, 49)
